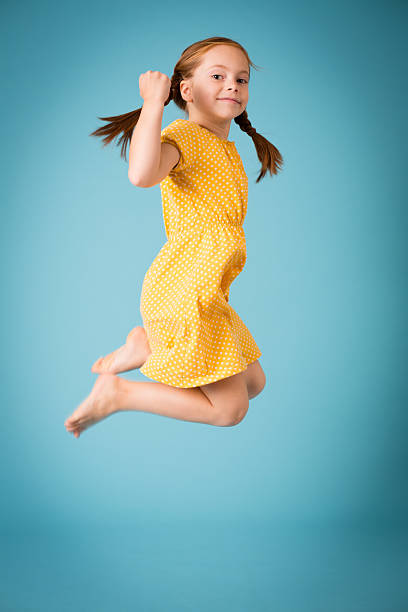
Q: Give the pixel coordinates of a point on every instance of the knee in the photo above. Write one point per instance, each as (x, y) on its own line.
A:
(262, 381)
(232, 415)
(258, 385)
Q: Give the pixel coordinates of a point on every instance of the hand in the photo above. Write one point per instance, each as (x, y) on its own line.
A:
(154, 85)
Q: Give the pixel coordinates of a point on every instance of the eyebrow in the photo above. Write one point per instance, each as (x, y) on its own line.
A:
(222, 66)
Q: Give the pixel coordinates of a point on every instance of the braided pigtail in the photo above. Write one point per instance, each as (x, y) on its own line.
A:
(123, 125)
(268, 154)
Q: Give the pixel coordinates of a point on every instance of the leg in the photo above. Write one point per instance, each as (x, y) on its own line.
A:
(136, 350)
(223, 403)
(229, 397)
(130, 356)
(255, 379)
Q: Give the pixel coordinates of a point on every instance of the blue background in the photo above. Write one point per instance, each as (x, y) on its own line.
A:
(303, 505)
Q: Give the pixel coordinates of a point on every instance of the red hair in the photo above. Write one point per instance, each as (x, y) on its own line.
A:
(268, 154)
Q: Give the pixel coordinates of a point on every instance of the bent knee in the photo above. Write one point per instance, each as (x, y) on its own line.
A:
(228, 416)
(257, 385)
(262, 381)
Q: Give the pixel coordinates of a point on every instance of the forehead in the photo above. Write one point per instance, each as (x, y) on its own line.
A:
(225, 57)
(226, 68)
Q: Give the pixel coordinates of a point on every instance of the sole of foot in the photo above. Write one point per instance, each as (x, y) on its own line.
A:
(100, 403)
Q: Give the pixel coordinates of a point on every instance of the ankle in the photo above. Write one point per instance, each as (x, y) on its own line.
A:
(121, 394)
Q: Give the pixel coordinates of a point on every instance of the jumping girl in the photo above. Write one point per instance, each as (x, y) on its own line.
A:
(202, 358)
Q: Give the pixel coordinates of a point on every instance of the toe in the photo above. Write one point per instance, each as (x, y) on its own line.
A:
(97, 366)
(72, 421)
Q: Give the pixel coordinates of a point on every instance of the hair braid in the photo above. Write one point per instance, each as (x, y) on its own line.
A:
(123, 125)
(268, 154)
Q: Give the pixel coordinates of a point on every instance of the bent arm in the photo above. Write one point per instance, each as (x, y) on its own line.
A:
(150, 160)
(144, 151)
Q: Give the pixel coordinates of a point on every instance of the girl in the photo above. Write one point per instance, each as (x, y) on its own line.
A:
(193, 344)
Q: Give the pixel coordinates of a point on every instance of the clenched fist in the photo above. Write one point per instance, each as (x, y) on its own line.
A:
(154, 85)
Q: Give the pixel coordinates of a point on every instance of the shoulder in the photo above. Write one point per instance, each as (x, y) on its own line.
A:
(181, 127)
(182, 134)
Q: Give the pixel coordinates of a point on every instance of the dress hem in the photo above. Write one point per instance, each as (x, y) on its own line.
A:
(204, 381)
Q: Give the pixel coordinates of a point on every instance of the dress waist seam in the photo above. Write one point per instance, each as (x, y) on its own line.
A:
(205, 226)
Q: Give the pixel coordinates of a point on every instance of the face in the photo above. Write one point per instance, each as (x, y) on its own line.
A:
(222, 73)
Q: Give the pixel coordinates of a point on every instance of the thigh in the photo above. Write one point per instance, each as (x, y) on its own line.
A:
(255, 378)
(229, 397)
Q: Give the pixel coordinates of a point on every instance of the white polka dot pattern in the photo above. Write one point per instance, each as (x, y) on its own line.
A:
(195, 335)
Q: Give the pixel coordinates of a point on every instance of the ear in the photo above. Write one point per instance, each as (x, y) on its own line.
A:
(186, 90)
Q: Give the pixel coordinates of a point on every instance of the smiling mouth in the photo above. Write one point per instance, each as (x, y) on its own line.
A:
(229, 100)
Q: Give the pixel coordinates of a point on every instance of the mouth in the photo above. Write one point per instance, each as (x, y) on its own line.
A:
(229, 100)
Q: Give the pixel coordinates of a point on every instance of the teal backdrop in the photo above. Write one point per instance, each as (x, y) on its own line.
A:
(303, 505)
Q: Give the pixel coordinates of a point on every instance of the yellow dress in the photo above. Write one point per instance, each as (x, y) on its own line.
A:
(195, 335)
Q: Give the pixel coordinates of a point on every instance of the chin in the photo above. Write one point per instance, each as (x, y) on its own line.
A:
(230, 112)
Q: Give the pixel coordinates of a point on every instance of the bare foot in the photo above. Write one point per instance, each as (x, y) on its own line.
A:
(130, 356)
(103, 400)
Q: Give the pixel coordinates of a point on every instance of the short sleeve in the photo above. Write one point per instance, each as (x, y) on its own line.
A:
(181, 134)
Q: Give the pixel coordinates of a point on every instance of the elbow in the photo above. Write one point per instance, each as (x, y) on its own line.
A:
(137, 181)
(134, 180)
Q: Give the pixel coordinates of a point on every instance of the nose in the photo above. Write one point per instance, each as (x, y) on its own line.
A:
(233, 86)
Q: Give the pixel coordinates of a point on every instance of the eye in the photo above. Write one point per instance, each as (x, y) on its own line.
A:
(215, 75)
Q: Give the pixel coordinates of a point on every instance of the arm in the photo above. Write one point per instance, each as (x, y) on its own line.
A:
(149, 159)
